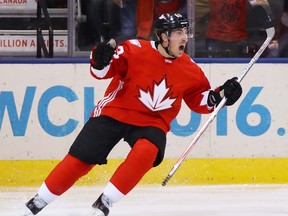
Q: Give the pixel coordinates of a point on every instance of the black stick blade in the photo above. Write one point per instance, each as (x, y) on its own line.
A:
(264, 16)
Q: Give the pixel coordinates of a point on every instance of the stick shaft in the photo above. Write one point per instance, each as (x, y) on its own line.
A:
(270, 34)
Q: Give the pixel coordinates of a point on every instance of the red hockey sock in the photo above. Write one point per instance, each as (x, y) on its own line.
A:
(66, 173)
(138, 162)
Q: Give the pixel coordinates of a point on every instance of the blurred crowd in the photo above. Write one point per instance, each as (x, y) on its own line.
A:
(122, 19)
(223, 28)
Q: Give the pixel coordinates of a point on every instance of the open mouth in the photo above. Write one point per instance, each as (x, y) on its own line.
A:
(181, 48)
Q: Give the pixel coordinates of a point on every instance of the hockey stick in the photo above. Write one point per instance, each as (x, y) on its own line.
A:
(266, 22)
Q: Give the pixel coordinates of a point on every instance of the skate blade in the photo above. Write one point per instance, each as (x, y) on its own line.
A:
(27, 213)
(95, 212)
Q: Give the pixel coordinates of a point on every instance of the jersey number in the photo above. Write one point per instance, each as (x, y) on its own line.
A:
(119, 51)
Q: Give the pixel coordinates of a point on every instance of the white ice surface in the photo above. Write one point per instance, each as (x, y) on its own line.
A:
(222, 200)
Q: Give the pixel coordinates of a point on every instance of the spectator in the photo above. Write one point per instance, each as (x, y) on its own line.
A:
(102, 22)
(257, 34)
(127, 19)
(283, 40)
(226, 34)
(169, 6)
(279, 46)
(202, 8)
(144, 18)
(148, 9)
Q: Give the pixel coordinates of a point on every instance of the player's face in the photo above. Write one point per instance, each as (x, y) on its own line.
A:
(178, 40)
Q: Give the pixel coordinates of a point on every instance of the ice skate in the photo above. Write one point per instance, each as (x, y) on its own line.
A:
(100, 207)
(35, 205)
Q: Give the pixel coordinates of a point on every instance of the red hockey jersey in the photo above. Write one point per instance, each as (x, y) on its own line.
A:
(147, 89)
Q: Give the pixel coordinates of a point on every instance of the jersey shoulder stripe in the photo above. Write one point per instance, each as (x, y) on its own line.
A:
(142, 43)
(135, 42)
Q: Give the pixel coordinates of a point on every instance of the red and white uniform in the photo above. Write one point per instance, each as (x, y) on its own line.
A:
(150, 94)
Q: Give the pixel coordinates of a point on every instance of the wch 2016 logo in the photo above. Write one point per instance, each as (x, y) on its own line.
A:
(19, 118)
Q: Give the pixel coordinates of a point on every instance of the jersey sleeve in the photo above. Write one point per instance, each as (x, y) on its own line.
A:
(196, 97)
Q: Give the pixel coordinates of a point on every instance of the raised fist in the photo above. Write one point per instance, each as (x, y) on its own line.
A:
(101, 55)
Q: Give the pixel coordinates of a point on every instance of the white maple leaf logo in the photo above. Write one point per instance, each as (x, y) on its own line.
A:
(158, 99)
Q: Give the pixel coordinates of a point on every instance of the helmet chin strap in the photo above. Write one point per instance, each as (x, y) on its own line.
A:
(167, 50)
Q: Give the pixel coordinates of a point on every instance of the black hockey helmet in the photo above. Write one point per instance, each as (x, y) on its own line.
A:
(169, 21)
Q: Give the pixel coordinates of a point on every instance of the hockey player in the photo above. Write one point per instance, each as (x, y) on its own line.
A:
(149, 81)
